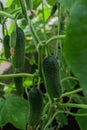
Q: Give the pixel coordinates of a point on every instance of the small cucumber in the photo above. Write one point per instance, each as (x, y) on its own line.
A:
(19, 50)
(50, 71)
(19, 85)
(35, 106)
(6, 46)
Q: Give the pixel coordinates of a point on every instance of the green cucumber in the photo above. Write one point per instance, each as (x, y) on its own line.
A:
(50, 71)
(19, 50)
(6, 46)
(35, 106)
(19, 85)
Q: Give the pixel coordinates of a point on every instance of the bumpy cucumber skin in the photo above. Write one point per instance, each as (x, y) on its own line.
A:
(6, 46)
(50, 71)
(19, 85)
(35, 106)
(19, 50)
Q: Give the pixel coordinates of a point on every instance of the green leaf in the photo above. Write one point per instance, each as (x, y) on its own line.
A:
(75, 47)
(14, 110)
(51, 2)
(67, 3)
(62, 119)
(82, 120)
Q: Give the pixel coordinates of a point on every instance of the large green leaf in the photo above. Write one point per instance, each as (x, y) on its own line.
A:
(14, 110)
(67, 3)
(75, 47)
(82, 120)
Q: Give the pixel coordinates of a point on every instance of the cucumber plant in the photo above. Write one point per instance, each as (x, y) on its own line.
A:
(48, 57)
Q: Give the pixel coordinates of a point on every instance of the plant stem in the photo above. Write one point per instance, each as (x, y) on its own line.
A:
(72, 92)
(67, 112)
(3, 84)
(59, 20)
(17, 75)
(43, 20)
(54, 38)
(33, 32)
(39, 60)
(69, 77)
(60, 37)
(82, 106)
(2, 13)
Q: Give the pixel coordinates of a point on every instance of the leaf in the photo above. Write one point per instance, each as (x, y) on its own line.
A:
(62, 119)
(67, 3)
(82, 120)
(75, 47)
(51, 2)
(14, 110)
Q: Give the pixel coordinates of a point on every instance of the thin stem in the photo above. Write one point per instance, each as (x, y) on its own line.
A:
(17, 75)
(59, 20)
(67, 112)
(59, 37)
(2, 13)
(39, 59)
(67, 78)
(54, 38)
(43, 20)
(49, 116)
(82, 106)
(34, 34)
(3, 84)
(72, 92)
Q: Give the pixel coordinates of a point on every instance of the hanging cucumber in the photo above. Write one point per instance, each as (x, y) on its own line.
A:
(35, 106)
(6, 46)
(19, 50)
(19, 85)
(50, 71)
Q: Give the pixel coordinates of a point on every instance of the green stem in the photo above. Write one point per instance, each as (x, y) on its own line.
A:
(60, 37)
(34, 34)
(67, 78)
(17, 75)
(59, 20)
(67, 112)
(3, 84)
(49, 116)
(72, 92)
(39, 59)
(2, 13)
(82, 106)
(55, 37)
(43, 20)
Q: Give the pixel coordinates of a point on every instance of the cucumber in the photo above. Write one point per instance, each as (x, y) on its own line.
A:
(19, 85)
(19, 50)
(35, 106)
(50, 72)
(6, 46)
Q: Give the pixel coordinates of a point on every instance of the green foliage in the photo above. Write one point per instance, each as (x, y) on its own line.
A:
(13, 109)
(75, 50)
(56, 30)
(82, 121)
